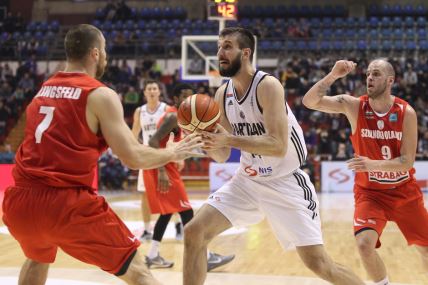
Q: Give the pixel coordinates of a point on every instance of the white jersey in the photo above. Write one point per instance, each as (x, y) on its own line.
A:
(246, 118)
(149, 120)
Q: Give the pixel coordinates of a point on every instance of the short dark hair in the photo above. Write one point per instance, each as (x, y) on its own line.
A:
(80, 39)
(245, 38)
(180, 87)
(151, 81)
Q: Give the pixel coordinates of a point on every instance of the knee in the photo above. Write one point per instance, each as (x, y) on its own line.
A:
(194, 233)
(366, 245)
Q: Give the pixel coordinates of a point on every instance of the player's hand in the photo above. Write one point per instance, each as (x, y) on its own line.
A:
(215, 140)
(163, 181)
(342, 68)
(361, 164)
(187, 147)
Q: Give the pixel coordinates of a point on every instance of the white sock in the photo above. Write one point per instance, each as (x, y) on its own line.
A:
(147, 226)
(383, 282)
(154, 249)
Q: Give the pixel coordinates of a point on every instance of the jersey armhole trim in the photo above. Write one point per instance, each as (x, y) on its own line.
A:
(224, 99)
(257, 99)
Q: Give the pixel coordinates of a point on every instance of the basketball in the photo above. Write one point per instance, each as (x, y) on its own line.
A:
(198, 112)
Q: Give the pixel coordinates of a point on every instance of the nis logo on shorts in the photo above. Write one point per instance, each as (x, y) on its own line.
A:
(262, 171)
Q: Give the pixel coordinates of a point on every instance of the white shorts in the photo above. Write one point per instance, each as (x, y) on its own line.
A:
(289, 204)
(140, 182)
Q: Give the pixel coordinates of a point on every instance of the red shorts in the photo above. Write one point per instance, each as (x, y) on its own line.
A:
(76, 220)
(403, 205)
(173, 201)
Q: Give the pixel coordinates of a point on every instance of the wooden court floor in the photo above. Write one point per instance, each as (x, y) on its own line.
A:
(259, 257)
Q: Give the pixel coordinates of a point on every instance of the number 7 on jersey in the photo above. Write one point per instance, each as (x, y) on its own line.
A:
(44, 124)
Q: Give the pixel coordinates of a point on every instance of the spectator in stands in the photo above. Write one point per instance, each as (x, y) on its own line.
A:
(27, 84)
(123, 11)
(325, 145)
(4, 115)
(410, 77)
(112, 173)
(7, 156)
(341, 153)
(5, 90)
(423, 146)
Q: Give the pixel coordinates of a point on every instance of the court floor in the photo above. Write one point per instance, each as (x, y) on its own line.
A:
(259, 257)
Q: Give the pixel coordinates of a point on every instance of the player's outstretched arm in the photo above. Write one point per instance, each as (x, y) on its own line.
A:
(315, 98)
(274, 141)
(219, 153)
(105, 109)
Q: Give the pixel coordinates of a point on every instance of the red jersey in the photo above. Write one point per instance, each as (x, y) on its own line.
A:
(175, 200)
(378, 136)
(59, 149)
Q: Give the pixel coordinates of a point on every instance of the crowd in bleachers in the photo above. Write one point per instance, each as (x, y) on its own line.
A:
(305, 42)
(327, 135)
(19, 39)
(16, 89)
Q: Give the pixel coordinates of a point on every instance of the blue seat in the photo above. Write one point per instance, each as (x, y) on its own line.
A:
(397, 21)
(423, 45)
(325, 45)
(411, 45)
(374, 45)
(301, 45)
(373, 22)
(398, 45)
(386, 21)
(421, 21)
(362, 45)
(313, 45)
(396, 10)
(398, 33)
(420, 10)
(409, 21)
(264, 45)
(130, 25)
(385, 10)
(327, 22)
(386, 45)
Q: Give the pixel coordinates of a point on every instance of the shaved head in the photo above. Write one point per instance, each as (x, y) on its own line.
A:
(384, 65)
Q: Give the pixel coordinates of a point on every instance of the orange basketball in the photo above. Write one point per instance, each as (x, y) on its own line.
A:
(198, 112)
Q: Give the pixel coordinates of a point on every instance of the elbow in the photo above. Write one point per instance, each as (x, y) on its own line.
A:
(281, 151)
(131, 164)
(306, 102)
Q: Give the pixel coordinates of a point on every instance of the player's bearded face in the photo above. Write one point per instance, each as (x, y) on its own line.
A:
(232, 68)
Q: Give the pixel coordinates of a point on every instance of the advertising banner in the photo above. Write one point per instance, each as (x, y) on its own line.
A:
(336, 177)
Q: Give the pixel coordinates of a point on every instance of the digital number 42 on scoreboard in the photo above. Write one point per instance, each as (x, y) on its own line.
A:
(222, 9)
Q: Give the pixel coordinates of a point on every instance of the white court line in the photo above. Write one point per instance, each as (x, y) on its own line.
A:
(60, 276)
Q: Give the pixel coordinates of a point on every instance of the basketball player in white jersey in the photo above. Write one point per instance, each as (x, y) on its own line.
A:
(145, 119)
(269, 183)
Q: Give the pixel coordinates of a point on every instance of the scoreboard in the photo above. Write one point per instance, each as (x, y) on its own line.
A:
(222, 9)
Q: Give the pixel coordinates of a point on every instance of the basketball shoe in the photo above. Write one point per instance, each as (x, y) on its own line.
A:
(216, 260)
(158, 262)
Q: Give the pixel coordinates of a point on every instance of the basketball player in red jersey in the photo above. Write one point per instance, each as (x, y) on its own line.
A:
(70, 122)
(165, 189)
(384, 137)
